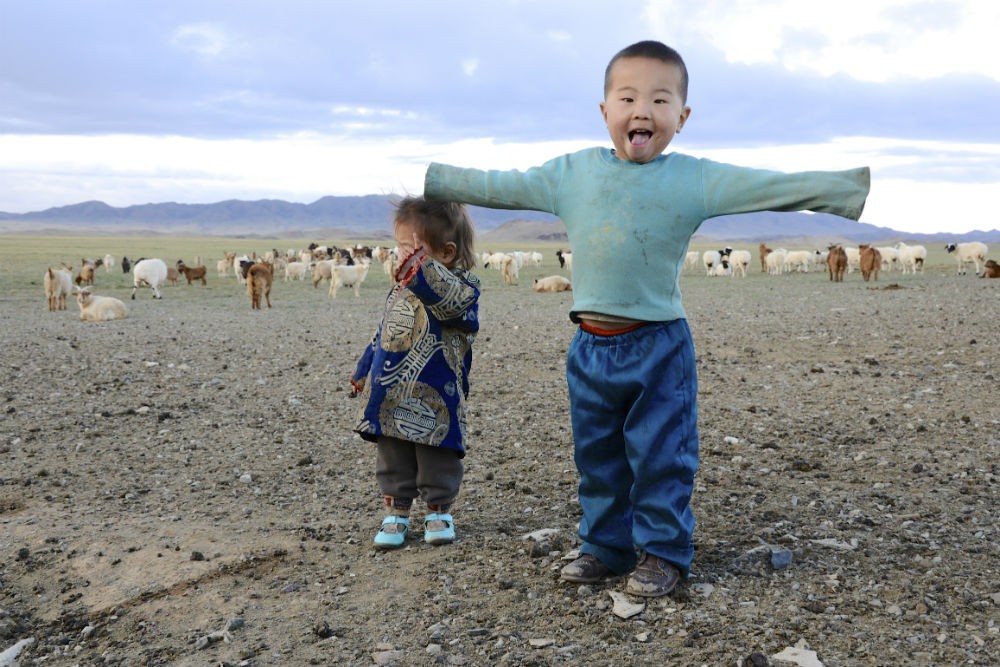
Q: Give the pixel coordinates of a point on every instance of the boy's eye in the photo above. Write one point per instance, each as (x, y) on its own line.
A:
(628, 99)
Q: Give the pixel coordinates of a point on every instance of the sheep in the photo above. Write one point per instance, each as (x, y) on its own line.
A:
(58, 286)
(723, 268)
(974, 251)
(870, 261)
(775, 261)
(991, 269)
(95, 308)
(836, 262)
(348, 275)
(86, 275)
(565, 260)
(552, 284)
(797, 260)
(295, 271)
(710, 259)
(109, 263)
(259, 279)
(534, 258)
(192, 273)
(739, 260)
(890, 257)
(149, 273)
(853, 259)
(911, 257)
(691, 259)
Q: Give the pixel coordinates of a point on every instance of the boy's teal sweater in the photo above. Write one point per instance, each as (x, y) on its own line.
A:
(629, 224)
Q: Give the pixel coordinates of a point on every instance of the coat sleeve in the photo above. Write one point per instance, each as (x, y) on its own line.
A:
(452, 299)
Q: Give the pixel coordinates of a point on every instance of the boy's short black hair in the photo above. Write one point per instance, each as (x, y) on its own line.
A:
(650, 49)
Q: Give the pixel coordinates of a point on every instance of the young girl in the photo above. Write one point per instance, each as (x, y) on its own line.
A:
(419, 362)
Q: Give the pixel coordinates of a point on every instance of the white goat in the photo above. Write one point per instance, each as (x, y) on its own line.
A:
(149, 273)
(295, 271)
(95, 308)
(973, 251)
(347, 275)
(552, 284)
(109, 263)
(58, 286)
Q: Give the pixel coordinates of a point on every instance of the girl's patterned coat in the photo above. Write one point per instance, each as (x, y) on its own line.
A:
(419, 360)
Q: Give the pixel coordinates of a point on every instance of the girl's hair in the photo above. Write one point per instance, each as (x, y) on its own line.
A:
(654, 50)
(440, 222)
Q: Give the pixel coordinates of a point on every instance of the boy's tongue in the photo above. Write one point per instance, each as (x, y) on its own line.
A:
(640, 138)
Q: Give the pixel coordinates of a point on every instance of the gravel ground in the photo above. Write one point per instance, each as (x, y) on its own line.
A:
(182, 487)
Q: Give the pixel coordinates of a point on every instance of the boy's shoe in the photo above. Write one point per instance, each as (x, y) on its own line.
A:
(587, 569)
(653, 577)
(439, 529)
(393, 532)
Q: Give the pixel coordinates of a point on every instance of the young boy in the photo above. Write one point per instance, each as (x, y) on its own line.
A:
(630, 213)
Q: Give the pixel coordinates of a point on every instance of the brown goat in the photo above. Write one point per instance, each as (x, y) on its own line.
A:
(836, 262)
(992, 269)
(86, 275)
(764, 252)
(259, 278)
(870, 261)
(192, 272)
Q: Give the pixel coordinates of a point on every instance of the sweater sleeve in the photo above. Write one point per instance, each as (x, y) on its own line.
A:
(533, 189)
(729, 190)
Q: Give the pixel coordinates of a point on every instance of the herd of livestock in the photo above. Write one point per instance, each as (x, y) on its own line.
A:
(348, 267)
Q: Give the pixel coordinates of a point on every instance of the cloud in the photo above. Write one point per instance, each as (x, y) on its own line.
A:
(203, 39)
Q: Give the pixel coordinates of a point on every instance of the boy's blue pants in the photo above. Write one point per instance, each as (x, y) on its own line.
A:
(633, 404)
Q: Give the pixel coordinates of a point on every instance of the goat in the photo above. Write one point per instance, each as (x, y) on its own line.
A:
(991, 270)
(151, 273)
(99, 308)
(259, 279)
(348, 275)
(870, 261)
(86, 275)
(764, 252)
(58, 286)
(552, 284)
(836, 262)
(192, 273)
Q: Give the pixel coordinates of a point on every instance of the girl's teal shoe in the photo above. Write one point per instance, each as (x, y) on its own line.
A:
(439, 529)
(393, 532)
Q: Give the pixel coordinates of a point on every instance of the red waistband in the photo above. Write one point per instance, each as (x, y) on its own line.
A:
(611, 332)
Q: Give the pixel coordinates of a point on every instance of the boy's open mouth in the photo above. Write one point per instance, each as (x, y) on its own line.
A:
(639, 137)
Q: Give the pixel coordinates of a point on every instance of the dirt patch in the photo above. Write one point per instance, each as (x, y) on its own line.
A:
(182, 487)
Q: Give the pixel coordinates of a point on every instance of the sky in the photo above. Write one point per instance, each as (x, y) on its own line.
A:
(197, 101)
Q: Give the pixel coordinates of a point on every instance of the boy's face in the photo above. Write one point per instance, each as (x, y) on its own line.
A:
(644, 108)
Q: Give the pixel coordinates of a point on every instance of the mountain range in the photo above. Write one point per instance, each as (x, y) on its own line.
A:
(368, 216)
